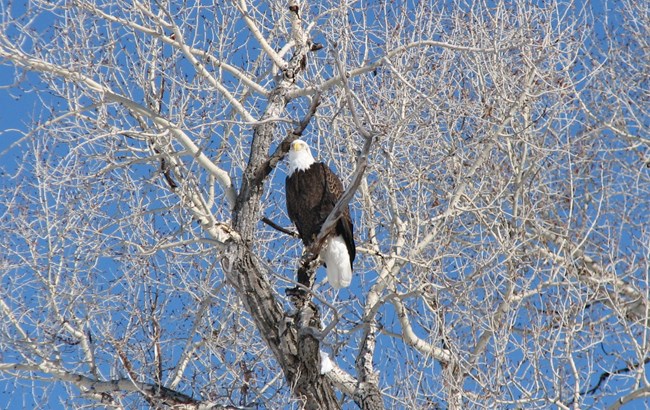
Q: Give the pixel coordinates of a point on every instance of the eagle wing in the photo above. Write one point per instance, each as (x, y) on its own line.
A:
(333, 192)
(304, 196)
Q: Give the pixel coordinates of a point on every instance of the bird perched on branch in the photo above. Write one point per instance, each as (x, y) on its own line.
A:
(312, 191)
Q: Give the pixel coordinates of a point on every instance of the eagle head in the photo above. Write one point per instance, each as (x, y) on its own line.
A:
(300, 157)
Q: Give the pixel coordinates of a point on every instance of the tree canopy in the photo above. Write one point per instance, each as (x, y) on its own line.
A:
(496, 160)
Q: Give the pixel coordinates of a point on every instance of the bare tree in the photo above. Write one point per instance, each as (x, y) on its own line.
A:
(497, 163)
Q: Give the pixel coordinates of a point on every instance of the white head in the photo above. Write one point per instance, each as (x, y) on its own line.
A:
(300, 157)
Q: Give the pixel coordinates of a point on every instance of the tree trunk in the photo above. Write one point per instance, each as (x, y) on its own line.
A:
(296, 352)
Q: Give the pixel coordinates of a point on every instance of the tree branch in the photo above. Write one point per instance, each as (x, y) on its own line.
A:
(279, 228)
(171, 40)
(337, 80)
(640, 393)
(94, 386)
(36, 65)
(277, 60)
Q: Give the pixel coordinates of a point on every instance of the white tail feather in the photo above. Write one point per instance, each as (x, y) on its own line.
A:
(336, 257)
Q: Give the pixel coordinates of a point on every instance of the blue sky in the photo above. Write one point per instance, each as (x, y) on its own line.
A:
(17, 110)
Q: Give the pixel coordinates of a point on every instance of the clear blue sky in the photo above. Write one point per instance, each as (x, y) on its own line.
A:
(17, 109)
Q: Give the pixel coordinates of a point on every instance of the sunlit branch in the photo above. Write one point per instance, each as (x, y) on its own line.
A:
(177, 44)
(47, 124)
(190, 345)
(596, 277)
(277, 60)
(94, 386)
(412, 339)
(208, 76)
(86, 346)
(452, 208)
(335, 81)
(36, 65)
(488, 334)
(222, 176)
(640, 393)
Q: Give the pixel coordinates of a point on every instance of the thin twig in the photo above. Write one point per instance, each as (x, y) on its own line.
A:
(279, 228)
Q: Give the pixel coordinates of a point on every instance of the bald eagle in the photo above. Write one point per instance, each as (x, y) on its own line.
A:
(312, 191)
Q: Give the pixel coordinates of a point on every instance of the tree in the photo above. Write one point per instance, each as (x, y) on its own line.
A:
(496, 159)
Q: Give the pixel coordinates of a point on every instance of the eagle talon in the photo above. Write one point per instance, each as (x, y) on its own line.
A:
(295, 291)
(297, 295)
